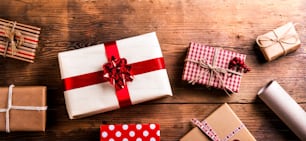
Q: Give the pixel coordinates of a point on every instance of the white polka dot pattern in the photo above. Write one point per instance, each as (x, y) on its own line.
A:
(125, 127)
(152, 126)
(198, 52)
(145, 133)
(118, 134)
(138, 126)
(111, 127)
(130, 132)
(157, 133)
(104, 134)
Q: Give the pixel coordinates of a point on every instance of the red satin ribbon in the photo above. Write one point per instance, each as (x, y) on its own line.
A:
(96, 77)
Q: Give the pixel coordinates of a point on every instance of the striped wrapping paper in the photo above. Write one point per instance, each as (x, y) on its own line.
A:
(25, 51)
(194, 73)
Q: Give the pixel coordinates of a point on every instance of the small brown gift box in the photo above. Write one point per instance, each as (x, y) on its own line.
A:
(224, 123)
(279, 42)
(27, 111)
(18, 41)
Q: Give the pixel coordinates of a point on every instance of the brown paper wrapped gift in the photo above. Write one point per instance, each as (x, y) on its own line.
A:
(279, 42)
(223, 123)
(28, 108)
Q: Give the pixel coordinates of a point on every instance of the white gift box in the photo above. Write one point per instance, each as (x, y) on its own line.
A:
(101, 97)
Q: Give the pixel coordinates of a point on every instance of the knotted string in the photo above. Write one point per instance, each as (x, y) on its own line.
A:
(279, 39)
(214, 71)
(206, 129)
(10, 35)
(11, 107)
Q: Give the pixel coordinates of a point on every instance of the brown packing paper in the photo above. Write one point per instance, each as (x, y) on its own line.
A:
(223, 121)
(24, 120)
(279, 42)
(285, 107)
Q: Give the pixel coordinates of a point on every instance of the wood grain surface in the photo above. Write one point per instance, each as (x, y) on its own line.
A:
(230, 24)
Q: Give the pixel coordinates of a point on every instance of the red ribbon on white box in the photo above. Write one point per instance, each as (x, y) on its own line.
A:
(122, 94)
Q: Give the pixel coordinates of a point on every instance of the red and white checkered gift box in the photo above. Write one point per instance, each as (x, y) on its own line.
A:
(194, 73)
(130, 132)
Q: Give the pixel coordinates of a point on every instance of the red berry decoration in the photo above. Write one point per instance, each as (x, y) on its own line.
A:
(239, 65)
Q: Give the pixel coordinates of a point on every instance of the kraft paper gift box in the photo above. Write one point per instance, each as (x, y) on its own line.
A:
(87, 90)
(210, 66)
(23, 108)
(279, 42)
(222, 125)
(18, 41)
(130, 132)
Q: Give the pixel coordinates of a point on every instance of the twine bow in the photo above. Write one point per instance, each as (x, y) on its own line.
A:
(11, 107)
(206, 129)
(278, 39)
(214, 71)
(13, 42)
(117, 72)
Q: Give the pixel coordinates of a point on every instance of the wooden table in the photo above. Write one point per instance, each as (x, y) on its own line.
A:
(230, 24)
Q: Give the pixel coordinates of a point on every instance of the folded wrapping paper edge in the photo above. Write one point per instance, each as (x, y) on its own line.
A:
(44, 90)
(277, 30)
(149, 36)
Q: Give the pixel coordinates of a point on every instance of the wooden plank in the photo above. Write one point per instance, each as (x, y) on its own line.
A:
(260, 120)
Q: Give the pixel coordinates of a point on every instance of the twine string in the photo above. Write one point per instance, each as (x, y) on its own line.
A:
(213, 71)
(11, 36)
(278, 39)
(11, 107)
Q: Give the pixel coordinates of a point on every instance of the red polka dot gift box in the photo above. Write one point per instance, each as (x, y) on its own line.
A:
(214, 67)
(130, 132)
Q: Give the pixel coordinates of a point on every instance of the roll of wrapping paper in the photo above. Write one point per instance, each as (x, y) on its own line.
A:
(286, 108)
(30, 34)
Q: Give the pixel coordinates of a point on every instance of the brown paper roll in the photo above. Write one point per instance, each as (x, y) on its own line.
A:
(286, 108)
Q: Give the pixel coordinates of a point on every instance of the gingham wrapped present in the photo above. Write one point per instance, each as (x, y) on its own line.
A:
(209, 66)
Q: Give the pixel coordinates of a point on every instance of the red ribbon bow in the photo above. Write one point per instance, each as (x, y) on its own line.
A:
(117, 72)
